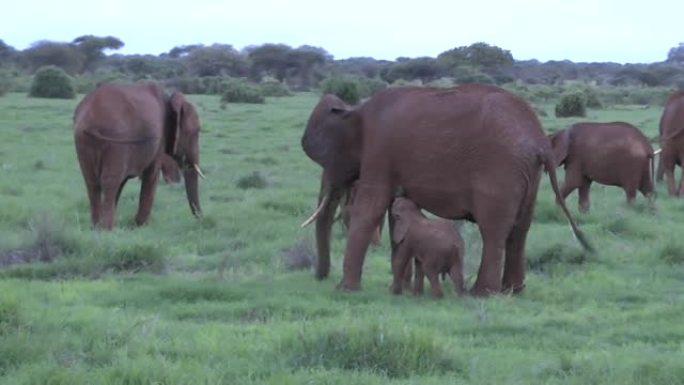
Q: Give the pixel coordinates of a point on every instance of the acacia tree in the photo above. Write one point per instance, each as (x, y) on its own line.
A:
(676, 54)
(303, 62)
(44, 53)
(216, 60)
(269, 59)
(7, 53)
(92, 49)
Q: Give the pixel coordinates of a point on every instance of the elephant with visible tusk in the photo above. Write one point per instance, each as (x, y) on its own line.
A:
(473, 152)
(125, 131)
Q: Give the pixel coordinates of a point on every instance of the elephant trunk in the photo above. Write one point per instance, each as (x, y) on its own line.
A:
(191, 175)
(328, 201)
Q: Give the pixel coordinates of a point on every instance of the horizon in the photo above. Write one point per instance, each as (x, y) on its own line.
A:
(530, 29)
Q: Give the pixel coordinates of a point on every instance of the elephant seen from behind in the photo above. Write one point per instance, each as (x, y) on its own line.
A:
(614, 154)
(125, 131)
(434, 244)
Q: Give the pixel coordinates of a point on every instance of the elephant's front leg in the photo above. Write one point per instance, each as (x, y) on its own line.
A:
(149, 184)
(367, 211)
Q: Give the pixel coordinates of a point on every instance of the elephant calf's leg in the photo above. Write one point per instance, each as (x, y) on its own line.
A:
(417, 279)
(400, 260)
(435, 287)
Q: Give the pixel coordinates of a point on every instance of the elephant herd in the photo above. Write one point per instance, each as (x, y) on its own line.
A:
(473, 152)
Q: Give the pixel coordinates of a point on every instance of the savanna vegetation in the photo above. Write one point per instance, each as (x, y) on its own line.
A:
(230, 298)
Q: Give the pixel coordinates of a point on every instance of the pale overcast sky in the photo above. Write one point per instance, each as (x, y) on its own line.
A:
(578, 30)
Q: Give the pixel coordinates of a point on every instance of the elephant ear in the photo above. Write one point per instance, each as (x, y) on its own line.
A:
(176, 101)
(401, 227)
(560, 141)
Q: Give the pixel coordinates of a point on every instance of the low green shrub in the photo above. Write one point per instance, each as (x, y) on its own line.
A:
(52, 82)
(241, 91)
(273, 87)
(345, 88)
(571, 104)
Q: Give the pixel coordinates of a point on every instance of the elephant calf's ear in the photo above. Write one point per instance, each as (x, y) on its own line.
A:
(400, 229)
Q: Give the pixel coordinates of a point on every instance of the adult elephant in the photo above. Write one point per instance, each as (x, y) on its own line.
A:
(614, 154)
(473, 152)
(124, 131)
(672, 142)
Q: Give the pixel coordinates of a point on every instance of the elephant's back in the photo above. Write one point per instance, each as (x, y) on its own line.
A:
(618, 139)
(121, 112)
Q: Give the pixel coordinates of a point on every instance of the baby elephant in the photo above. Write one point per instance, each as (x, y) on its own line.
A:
(434, 243)
(614, 154)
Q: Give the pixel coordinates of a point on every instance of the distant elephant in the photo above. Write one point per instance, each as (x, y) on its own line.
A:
(614, 154)
(435, 245)
(473, 152)
(124, 131)
(672, 142)
(169, 169)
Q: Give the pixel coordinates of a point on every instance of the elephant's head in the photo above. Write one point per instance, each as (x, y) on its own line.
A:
(560, 142)
(403, 213)
(333, 140)
(182, 144)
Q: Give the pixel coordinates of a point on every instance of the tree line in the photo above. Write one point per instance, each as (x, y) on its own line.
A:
(303, 67)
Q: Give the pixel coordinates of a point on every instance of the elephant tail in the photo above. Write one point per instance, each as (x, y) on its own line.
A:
(551, 170)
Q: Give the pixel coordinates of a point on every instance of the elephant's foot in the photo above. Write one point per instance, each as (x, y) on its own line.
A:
(396, 289)
(513, 289)
(140, 221)
(482, 290)
(348, 286)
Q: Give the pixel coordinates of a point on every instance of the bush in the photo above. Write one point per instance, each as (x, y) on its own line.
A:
(52, 82)
(274, 88)
(241, 91)
(345, 88)
(571, 104)
(5, 83)
(369, 86)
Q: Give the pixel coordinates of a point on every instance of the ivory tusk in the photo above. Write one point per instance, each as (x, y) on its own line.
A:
(316, 213)
(658, 151)
(199, 172)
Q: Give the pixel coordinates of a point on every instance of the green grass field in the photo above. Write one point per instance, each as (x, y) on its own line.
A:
(210, 301)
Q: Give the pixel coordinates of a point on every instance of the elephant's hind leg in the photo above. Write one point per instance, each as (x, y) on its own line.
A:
(513, 280)
(147, 189)
(95, 198)
(584, 201)
(494, 237)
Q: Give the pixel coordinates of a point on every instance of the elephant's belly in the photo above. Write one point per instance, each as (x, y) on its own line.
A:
(446, 204)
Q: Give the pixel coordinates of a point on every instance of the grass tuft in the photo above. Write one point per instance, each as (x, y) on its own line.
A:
(254, 180)
(374, 348)
(673, 253)
(301, 256)
(556, 254)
